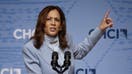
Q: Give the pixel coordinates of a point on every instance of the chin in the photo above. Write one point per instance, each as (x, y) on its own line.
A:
(53, 34)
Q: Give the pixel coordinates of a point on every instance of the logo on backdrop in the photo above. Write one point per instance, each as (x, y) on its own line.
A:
(10, 71)
(85, 71)
(108, 34)
(114, 33)
(23, 33)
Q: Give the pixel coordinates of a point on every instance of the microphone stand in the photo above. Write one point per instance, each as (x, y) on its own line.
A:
(61, 70)
(66, 64)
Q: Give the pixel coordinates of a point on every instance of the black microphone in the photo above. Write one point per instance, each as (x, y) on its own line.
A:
(67, 61)
(67, 58)
(54, 61)
(66, 64)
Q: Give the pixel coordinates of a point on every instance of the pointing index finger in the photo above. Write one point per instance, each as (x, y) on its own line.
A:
(107, 13)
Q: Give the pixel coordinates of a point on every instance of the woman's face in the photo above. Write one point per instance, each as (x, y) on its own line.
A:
(53, 23)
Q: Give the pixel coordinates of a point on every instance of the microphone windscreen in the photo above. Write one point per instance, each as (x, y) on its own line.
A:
(67, 55)
(55, 55)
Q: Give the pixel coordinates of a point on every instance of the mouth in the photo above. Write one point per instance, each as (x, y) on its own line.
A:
(52, 29)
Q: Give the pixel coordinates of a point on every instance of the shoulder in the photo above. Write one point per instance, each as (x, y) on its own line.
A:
(29, 43)
(29, 51)
(28, 46)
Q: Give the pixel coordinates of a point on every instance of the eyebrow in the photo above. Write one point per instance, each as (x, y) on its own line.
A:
(54, 17)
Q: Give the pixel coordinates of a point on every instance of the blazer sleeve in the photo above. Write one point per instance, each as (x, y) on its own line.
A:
(87, 44)
(31, 61)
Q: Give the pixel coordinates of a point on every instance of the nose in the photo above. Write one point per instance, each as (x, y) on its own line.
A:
(53, 22)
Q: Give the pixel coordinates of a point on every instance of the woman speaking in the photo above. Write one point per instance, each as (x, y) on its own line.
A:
(51, 36)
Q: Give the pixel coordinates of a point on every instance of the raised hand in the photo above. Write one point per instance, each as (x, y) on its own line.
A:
(106, 21)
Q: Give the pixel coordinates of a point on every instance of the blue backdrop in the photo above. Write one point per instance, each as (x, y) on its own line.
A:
(111, 55)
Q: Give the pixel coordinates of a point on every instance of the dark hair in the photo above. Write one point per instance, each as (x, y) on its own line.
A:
(39, 31)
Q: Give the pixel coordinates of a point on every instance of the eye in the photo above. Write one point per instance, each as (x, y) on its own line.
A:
(48, 18)
(57, 19)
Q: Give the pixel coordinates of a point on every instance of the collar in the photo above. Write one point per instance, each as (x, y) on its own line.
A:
(51, 40)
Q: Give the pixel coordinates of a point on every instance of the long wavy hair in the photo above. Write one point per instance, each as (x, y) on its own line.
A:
(39, 30)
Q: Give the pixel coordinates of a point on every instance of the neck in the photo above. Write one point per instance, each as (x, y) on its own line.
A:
(51, 38)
